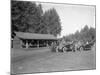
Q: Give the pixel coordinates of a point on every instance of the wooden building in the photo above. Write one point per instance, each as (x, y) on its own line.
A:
(31, 40)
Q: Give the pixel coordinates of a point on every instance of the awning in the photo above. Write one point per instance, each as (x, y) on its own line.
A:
(25, 35)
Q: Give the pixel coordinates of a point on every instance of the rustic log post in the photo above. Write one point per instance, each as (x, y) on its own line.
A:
(26, 44)
(38, 43)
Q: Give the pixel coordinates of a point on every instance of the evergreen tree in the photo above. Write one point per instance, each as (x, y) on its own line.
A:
(52, 22)
(25, 16)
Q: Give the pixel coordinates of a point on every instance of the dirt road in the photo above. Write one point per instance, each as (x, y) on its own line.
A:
(48, 61)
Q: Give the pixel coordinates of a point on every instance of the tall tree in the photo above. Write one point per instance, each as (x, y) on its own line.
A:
(52, 22)
(29, 17)
(86, 34)
(92, 33)
(25, 16)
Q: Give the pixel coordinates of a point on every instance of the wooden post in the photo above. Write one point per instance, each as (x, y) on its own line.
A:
(26, 44)
(47, 43)
(21, 43)
(38, 43)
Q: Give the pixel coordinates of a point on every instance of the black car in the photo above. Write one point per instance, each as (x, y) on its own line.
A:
(68, 47)
(86, 47)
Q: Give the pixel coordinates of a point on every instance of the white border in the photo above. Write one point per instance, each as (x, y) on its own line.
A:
(5, 37)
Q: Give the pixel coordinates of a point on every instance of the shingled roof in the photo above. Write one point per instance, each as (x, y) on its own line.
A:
(24, 35)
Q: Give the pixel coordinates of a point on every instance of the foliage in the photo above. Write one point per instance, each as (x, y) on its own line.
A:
(26, 16)
(52, 22)
(86, 34)
(29, 17)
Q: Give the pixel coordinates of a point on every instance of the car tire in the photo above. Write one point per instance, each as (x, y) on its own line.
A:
(64, 49)
(81, 48)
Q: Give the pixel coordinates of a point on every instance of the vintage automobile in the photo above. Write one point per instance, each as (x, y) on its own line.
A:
(86, 46)
(69, 47)
(74, 46)
(65, 47)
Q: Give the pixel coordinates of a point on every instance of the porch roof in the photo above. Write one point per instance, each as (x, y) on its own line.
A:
(24, 35)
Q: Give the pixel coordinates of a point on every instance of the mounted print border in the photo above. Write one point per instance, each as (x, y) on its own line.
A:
(52, 37)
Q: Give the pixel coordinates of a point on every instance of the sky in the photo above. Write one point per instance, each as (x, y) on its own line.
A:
(73, 17)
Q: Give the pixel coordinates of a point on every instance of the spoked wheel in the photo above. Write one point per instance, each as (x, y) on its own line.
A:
(64, 49)
(81, 49)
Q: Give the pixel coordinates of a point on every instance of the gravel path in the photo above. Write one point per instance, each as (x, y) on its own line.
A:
(48, 61)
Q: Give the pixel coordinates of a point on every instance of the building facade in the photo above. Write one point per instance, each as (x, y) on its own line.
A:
(32, 40)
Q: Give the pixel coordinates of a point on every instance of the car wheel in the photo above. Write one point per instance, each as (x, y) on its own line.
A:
(81, 49)
(64, 49)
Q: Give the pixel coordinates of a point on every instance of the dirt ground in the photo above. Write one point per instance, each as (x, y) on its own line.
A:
(39, 61)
